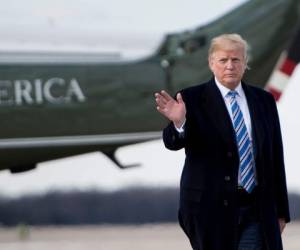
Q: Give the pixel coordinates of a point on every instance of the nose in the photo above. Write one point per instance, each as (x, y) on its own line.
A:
(229, 64)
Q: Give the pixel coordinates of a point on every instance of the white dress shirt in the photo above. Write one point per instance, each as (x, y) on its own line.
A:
(242, 102)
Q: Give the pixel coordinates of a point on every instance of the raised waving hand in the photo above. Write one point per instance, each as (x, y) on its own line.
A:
(173, 109)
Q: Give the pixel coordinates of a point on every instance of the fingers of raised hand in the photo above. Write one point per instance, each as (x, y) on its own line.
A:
(166, 96)
(163, 100)
(160, 101)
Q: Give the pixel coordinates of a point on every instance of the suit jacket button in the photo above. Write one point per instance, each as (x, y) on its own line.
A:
(227, 178)
(229, 154)
(225, 203)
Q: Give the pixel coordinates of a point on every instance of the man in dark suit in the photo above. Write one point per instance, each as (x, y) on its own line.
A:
(233, 191)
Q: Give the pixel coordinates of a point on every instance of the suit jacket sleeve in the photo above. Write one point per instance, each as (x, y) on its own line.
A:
(173, 140)
(279, 168)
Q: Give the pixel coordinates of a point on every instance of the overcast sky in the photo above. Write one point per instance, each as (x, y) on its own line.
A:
(131, 27)
(65, 23)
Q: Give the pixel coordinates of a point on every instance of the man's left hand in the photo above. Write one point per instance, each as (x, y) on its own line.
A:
(282, 223)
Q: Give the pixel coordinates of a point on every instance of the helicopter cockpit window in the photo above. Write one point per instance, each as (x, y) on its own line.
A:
(191, 45)
(184, 45)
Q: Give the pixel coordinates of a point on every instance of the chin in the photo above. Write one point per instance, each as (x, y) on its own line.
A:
(232, 84)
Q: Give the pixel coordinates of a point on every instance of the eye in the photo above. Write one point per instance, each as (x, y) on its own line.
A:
(236, 60)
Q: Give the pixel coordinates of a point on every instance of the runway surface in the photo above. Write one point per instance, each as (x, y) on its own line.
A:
(144, 237)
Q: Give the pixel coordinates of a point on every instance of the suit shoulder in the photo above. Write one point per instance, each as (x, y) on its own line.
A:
(261, 93)
(194, 90)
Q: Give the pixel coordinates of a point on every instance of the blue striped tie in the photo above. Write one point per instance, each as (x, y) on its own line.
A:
(247, 176)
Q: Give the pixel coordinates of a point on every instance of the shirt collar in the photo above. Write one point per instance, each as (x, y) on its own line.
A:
(224, 91)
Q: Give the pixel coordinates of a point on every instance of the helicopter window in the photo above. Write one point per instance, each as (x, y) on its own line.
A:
(191, 45)
(179, 46)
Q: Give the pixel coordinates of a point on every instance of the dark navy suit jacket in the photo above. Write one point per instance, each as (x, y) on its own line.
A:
(208, 187)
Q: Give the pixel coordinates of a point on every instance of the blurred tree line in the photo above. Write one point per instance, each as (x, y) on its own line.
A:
(130, 206)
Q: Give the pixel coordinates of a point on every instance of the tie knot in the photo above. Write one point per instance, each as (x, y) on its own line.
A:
(232, 94)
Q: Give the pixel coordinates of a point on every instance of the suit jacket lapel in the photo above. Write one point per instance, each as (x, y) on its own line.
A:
(256, 117)
(215, 108)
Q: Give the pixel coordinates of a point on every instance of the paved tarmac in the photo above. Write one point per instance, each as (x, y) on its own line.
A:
(144, 237)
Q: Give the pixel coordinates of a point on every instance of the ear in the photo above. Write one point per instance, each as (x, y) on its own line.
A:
(210, 63)
(245, 66)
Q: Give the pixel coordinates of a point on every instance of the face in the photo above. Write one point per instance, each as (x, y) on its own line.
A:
(228, 66)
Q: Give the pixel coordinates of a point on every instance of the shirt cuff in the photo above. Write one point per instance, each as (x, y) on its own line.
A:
(181, 129)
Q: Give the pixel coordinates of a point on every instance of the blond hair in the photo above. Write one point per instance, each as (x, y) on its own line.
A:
(229, 40)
